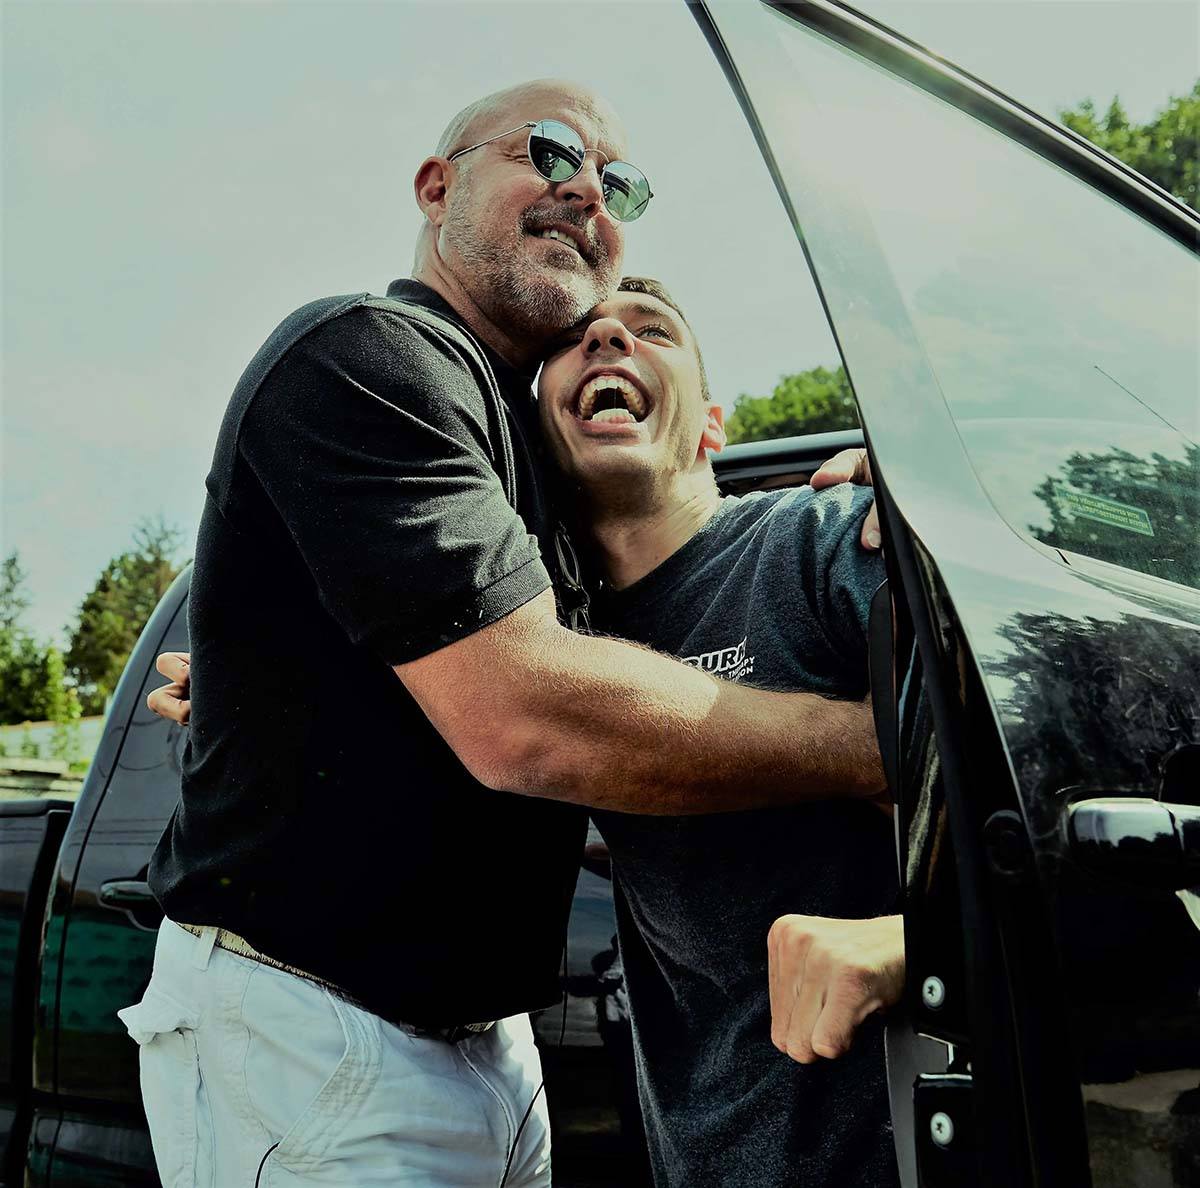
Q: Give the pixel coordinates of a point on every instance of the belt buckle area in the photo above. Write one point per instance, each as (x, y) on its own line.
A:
(468, 1029)
(222, 938)
(454, 1034)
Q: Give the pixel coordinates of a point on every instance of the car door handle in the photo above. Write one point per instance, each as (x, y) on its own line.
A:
(1137, 840)
(135, 899)
(125, 894)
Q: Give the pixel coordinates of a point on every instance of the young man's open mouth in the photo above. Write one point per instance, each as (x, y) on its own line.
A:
(609, 400)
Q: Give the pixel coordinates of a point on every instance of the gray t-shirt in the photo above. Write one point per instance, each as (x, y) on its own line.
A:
(773, 591)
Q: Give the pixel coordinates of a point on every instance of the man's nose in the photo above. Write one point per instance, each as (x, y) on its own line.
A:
(606, 335)
(584, 189)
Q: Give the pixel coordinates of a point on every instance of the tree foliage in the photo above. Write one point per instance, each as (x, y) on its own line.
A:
(1166, 149)
(23, 669)
(113, 614)
(814, 401)
(14, 601)
(1072, 679)
(62, 708)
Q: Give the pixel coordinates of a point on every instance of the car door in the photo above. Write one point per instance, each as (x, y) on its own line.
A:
(1018, 315)
(101, 928)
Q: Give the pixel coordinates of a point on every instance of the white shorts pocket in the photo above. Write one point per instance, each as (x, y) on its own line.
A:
(313, 1060)
(170, 1080)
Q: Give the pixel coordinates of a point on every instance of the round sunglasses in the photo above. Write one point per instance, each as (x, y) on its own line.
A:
(557, 153)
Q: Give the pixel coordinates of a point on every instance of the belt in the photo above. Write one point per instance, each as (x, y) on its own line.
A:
(232, 943)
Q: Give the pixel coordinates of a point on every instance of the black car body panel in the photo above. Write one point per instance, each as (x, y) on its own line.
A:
(31, 833)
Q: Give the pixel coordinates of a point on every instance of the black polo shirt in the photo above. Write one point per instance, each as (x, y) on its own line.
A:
(358, 516)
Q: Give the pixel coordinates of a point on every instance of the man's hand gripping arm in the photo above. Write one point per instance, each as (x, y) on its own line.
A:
(851, 466)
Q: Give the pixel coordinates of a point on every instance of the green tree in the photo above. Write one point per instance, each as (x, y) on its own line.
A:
(113, 614)
(23, 676)
(814, 401)
(62, 708)
(1166, 149)
(29, 748)
(14, 602)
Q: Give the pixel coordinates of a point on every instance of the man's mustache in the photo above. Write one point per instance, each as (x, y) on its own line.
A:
(541, 218)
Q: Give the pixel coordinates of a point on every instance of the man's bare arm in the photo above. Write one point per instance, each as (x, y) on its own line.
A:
(532, 707)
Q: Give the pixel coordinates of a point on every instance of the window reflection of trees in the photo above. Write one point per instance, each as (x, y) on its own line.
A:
(1104, 705)
(1166, 490)
(1098, 699)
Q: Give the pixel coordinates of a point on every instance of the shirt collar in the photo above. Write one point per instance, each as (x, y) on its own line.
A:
(417, 293)
(640, 602)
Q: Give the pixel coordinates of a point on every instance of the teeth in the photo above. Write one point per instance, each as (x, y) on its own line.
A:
(559, 236)
(634, 400)
(623, 415)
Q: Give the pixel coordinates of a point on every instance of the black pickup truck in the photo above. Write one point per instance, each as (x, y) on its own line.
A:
(78, 926)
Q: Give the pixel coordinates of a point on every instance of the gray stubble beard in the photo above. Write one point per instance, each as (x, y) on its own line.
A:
(515, 298)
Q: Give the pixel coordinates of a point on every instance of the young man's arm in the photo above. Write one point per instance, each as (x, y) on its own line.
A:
(532, 707)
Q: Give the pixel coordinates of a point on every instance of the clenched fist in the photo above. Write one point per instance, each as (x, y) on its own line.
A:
(827, 976)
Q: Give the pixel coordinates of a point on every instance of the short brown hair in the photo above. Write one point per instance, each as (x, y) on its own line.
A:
(652, 288)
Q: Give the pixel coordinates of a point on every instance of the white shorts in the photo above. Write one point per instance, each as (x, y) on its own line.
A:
(253, 1077)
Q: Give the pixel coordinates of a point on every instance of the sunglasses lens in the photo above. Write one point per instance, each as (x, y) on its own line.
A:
(626, 191)
(555, 150)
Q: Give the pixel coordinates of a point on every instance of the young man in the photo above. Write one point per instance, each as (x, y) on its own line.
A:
(375, 510)
(772, 589)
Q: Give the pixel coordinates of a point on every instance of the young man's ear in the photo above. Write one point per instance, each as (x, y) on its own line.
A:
(429, 187)
(713, 437)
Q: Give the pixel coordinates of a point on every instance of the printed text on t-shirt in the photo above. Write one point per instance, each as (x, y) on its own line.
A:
(730, 664)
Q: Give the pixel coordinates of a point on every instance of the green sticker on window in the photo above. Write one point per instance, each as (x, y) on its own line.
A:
(1106, 511)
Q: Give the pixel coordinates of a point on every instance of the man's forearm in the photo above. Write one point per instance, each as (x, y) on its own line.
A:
(652, 735)
(609, 724)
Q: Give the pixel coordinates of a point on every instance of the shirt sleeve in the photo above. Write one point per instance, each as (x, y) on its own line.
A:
(370, 439)
(841, 575)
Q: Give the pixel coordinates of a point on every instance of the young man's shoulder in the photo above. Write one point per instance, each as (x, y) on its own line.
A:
(831, 513)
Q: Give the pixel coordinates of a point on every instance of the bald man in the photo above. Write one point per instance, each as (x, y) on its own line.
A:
(367, 887)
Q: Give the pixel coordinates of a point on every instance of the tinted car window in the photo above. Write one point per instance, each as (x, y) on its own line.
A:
(1062, 329)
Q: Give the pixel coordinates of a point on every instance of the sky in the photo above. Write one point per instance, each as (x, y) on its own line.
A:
(179, 176)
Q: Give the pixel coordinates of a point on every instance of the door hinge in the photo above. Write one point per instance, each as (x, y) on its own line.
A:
(944, 1124)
